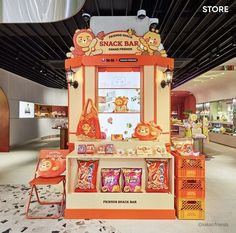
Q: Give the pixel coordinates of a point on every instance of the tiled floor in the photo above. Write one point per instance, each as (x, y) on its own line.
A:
(17, 168)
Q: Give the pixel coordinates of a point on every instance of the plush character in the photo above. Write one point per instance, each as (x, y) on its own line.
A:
(150, 44)
(84, 44)
(121, 104)
(51, 167)
(147, 131)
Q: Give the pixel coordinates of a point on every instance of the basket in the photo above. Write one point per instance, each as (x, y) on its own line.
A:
(190, 188)
(190, 166)
(190, 209)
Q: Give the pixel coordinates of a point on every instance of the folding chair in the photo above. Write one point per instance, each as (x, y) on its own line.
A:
(47, 154)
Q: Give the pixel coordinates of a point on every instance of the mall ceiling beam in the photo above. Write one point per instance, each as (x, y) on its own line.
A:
(154, 9)
(97, 7)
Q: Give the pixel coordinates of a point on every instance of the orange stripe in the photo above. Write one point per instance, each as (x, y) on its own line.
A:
(155, 96)
(99, 61)
(118, 214)
(83, 87)
(142, 94)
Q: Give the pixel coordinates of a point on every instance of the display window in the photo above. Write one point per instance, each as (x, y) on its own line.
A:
(119, 101)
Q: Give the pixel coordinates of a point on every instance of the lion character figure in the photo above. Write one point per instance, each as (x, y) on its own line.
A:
(121, 104)
(85, 43)
(47, 167)
(150, 44)
(147, 131)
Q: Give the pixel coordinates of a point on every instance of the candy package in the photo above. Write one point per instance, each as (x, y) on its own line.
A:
(87, 176)
(157, 176)
(110, 179)
(90, 149)
(82, 149)
(109, 149)
(132, 180)
(101, 149)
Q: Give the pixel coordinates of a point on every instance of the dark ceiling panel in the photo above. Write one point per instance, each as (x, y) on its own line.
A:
(197, 41)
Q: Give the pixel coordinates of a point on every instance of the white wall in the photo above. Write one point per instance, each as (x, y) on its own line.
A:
(17, 88)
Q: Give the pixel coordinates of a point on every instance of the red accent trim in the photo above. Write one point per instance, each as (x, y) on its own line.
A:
(155, 95)
(83, 87)
(96, 86)
(118, 214)
(99, 61)
(71, 146)
(68, 88)
(72, 132)
(142, 94)
(121, 69)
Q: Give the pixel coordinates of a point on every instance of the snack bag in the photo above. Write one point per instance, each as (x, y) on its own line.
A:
(109, 148)
(90, 149)
(157, 176)
(81, 149)
(87, 176)
(132, 180)
(110, 179)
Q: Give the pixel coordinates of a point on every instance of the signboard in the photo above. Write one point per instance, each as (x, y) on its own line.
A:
(118, 42)
(26, 109)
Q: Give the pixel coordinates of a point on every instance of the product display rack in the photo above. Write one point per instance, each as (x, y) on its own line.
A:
(119, 205)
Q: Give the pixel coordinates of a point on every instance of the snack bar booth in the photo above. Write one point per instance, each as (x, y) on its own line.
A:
(119, 88)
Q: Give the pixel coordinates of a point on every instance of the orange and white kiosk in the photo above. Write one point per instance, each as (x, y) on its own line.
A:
(108, 66)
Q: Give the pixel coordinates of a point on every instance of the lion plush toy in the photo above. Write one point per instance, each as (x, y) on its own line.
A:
(147, 131)
(84, 44)
(121, 104)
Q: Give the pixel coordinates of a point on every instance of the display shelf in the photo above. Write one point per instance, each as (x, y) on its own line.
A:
(117, 156)
(224, 139)
(221, 122)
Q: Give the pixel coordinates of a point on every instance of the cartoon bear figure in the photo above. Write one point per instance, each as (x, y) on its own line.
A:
(151, 44)
(147, 131)
(125, 103)
(85, 43)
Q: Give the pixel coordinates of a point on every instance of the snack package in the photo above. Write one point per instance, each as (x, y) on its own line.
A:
(87, 176)
(144, 150)
(157, 176)
(183, 145)
(110, 179)
(81, 149)
(132, 180)
(90, 149)
(109, 149)
(101, 149)
(120, 151)
(131, 152)
(117, 137)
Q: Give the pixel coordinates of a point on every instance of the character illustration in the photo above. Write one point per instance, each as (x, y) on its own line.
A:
(85, 43)
(50, 167)
(121, 104)
(147, 131)
(150, 44)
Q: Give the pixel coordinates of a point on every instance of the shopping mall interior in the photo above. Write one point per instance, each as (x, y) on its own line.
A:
(121, 113)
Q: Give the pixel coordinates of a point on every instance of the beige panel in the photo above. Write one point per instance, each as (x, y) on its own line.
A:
(148, 93)
(157, 201)
(90, 82)
(163, 105)
(75, 102)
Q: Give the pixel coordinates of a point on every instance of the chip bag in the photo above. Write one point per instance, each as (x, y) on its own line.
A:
(132, 180)
(110, 180)
(87, 176)
(157, 176)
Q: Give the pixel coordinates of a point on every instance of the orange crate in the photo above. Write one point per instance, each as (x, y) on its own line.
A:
(190, 166)
(190, 188)
(190, 209)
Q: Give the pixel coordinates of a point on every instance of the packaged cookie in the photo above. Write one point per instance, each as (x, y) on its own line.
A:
(132, 180)
(110, 180)
(81, 149)
(87, 176)
(109, 148)
(90, 149)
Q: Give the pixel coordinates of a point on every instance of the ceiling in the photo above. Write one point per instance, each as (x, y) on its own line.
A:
(197, 41)
(213, 85)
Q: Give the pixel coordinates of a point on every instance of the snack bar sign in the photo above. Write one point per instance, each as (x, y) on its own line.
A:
(117, 42)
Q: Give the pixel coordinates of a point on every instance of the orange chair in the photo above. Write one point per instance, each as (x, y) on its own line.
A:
(47, 154)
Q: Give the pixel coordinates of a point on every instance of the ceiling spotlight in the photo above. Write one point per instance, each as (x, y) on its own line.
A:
(141, 14)
(218, 51)
(86, 17)
(234, 40)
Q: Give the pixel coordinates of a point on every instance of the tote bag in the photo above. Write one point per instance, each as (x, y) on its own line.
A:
(88, 126)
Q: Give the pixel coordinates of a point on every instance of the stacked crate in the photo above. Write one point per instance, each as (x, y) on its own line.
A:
(189, 186)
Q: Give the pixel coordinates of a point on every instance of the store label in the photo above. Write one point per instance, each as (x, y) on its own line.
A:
(119, 201)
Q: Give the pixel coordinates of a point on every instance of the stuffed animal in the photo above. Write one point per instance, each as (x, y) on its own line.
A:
(121, 104)
(147, 131)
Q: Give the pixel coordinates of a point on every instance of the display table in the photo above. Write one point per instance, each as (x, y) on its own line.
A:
(118, 205)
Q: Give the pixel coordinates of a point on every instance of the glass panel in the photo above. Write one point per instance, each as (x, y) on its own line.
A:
(118, 123)
(119, 79)
(119, 100)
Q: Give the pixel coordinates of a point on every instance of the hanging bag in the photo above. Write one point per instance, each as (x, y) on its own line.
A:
(88, 126)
